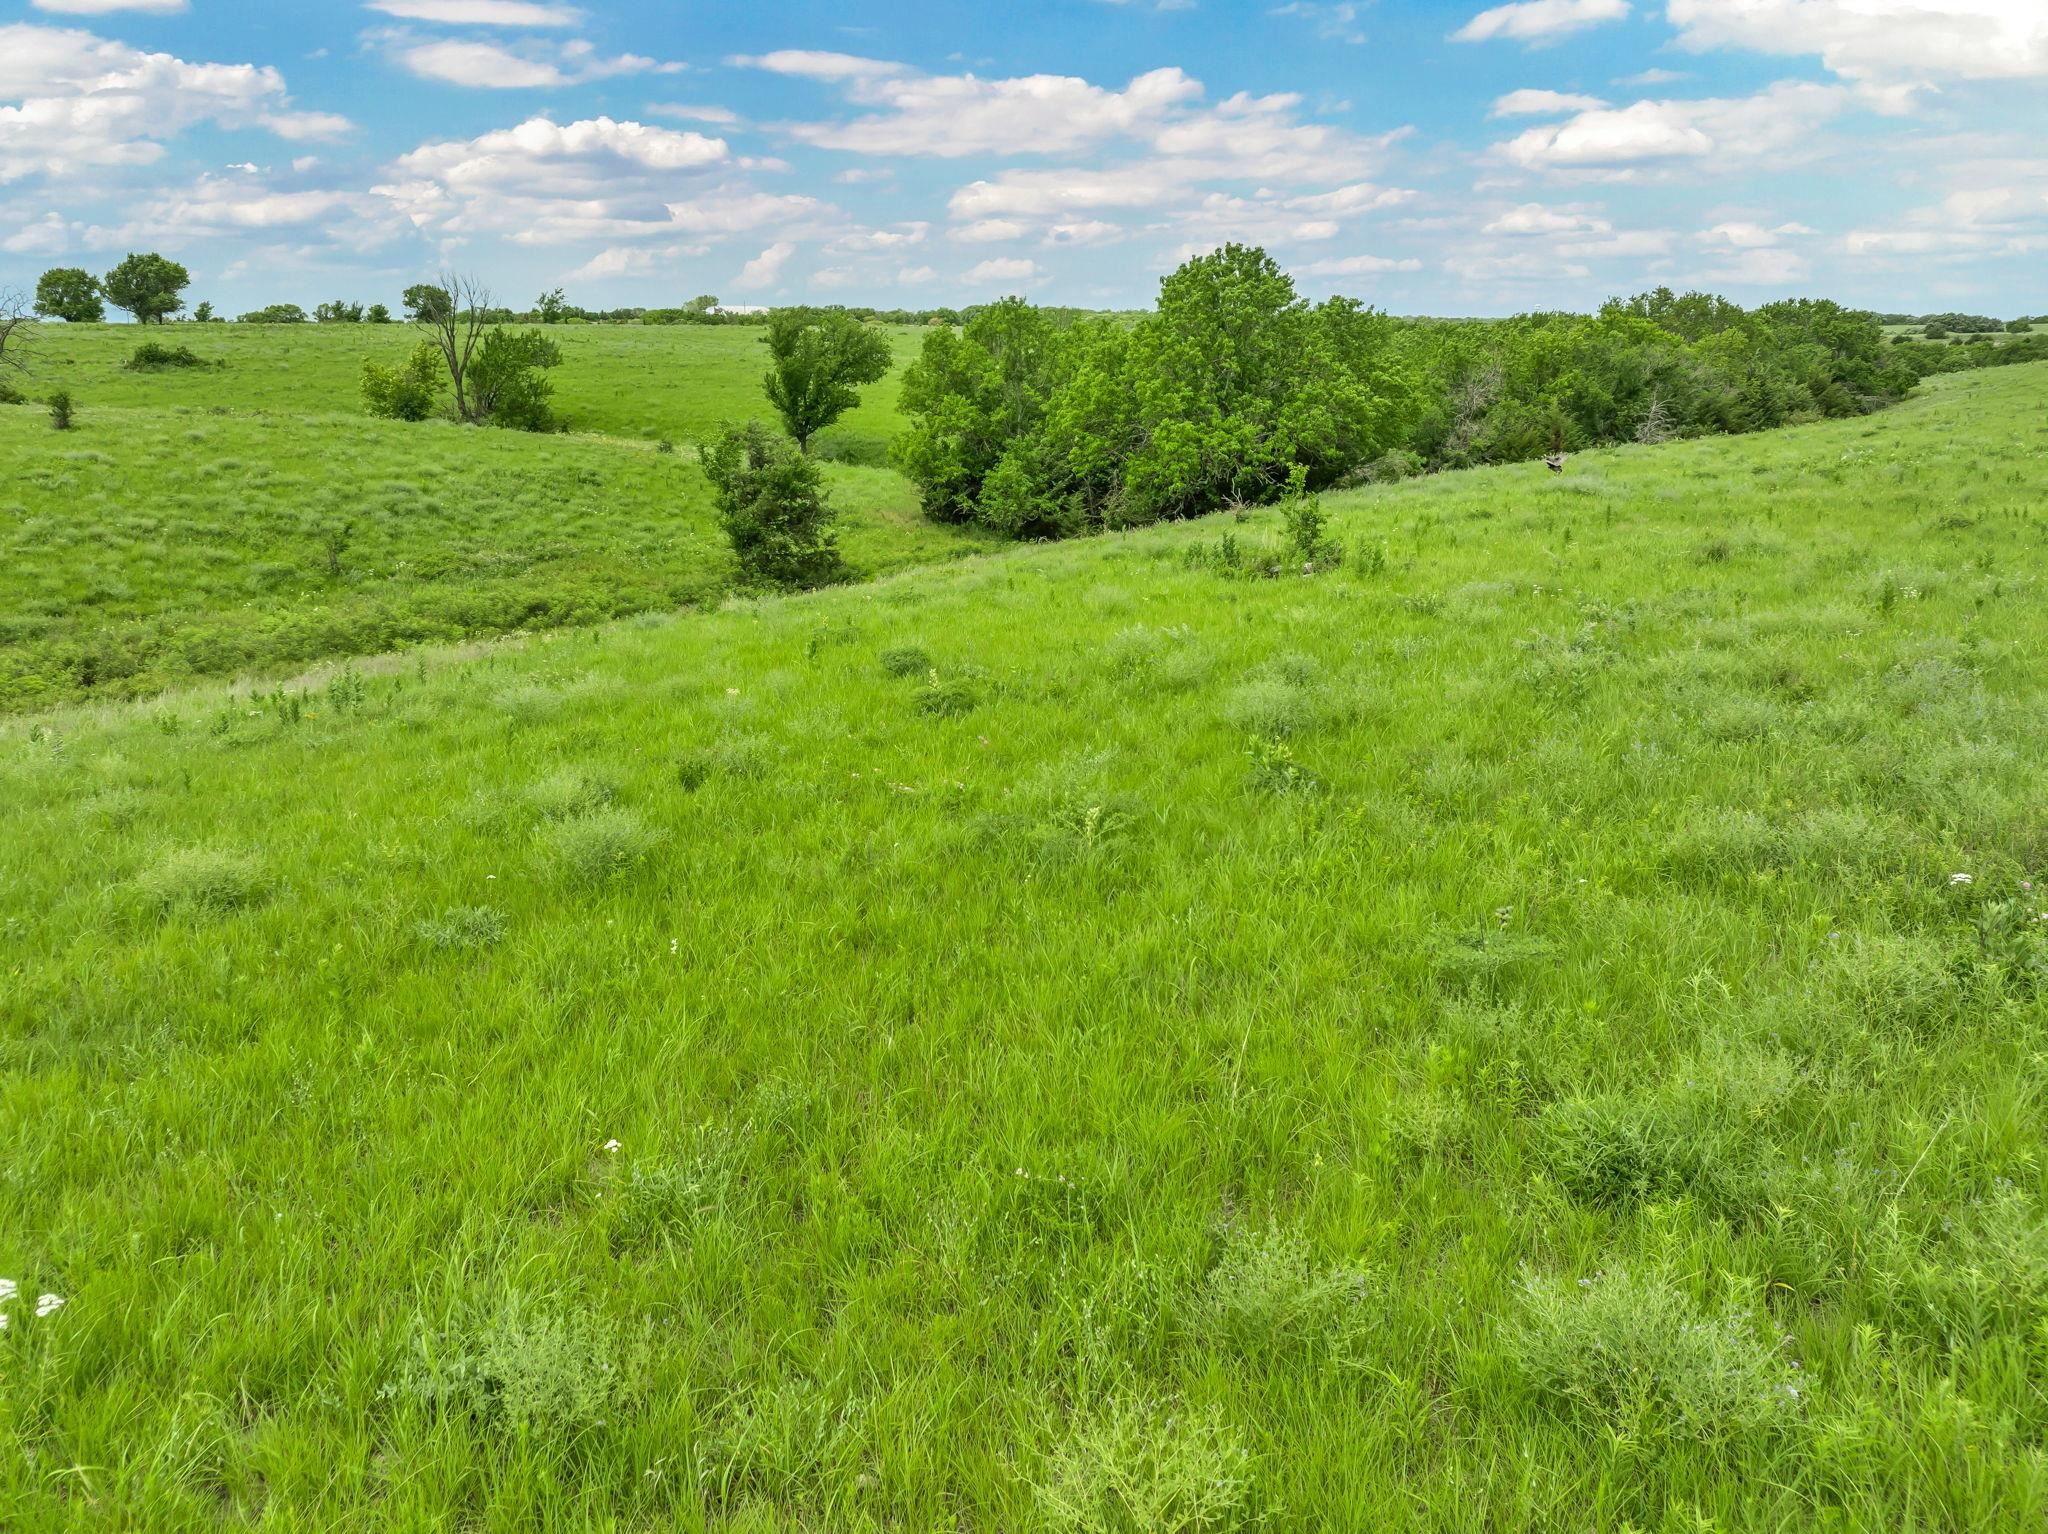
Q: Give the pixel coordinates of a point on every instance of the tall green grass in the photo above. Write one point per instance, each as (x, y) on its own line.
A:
(1540, 1027)
(250, 520)
(633, 381)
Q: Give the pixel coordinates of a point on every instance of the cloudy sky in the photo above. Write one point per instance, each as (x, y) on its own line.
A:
(1436, 157)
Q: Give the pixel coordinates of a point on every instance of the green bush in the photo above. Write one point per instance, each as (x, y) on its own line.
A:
(773, 511)
(1616, 1152)
(152, 357)
(60, 410)
(409, 392)
(507, 382)
(906, 660)
(463, 927)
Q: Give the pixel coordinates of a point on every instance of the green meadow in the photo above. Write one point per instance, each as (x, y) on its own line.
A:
(1543, 1025)
(250, 519)
(632, 381)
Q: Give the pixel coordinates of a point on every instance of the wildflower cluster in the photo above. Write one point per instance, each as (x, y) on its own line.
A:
(47, 1305)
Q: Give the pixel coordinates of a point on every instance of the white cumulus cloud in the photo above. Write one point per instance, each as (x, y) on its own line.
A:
(1713, 135)
(765, 270)
(71, 101)
(1539, 21)
(1534, 103)
(1004, 269)
(1880, 40)
(481, 13)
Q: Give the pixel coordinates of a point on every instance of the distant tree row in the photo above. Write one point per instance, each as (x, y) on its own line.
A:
(1962, 324)
(150, 287)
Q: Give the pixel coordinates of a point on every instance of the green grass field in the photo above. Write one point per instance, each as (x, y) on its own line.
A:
(640, 382)
(251, 520)
(1541, 1027)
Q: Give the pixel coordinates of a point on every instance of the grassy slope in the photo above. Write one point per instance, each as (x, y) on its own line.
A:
(1197, 1045)
(637, 381)
(181, 531)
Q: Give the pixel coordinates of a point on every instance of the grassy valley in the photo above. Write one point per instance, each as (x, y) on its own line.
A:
(250, 519)
(1539, 1025)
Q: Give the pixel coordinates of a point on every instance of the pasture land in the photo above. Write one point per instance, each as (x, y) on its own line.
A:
(251, 520)
(1542, 1026)
(643, 382)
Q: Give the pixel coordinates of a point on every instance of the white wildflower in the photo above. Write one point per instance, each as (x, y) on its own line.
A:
(48, 1305)
(8, 1290)
(1960, 879)
(611, 1147)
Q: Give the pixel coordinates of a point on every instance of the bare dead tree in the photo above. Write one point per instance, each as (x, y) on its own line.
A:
(1655, 425)
(456, 317)
(17, 330)
(1471, 397)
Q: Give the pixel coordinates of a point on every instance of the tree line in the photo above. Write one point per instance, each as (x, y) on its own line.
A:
(1234, 387)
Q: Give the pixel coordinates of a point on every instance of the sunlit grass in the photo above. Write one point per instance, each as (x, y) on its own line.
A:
(251, 520)
(1490, 1037)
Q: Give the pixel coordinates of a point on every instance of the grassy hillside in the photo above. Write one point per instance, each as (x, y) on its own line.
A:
(1542, 1027)
(644, 382)
(252, 519)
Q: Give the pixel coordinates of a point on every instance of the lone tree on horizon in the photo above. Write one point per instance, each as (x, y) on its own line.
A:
(822, 356)
(148, 287)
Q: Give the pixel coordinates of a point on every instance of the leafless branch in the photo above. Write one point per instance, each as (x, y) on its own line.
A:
(17, 330)
(458, 329)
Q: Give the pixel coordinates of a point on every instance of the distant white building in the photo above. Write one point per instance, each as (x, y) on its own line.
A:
(739, 308)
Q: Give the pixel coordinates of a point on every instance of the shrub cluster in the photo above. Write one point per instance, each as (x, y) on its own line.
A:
(152, 357)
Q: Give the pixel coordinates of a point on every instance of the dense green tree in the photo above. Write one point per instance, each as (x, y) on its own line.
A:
(148, 287)
(275, 314)
(377, 314)
(820, 359)
(425, 302)
(338, 312)
(508, 382)
(71, 294)
(773, 511)
(1221, 394)
(551, 308)
(969, 396)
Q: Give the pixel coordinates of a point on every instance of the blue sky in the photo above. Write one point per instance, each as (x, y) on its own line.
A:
(1431, 158)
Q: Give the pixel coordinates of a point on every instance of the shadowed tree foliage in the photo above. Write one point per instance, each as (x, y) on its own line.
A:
(1222, 394)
